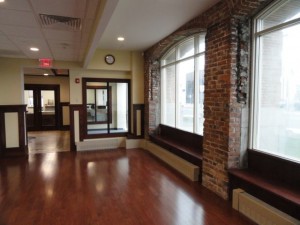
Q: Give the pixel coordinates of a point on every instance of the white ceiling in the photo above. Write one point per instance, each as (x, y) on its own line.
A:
(141, 22)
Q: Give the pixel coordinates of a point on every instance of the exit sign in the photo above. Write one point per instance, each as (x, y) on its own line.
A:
(45, 63)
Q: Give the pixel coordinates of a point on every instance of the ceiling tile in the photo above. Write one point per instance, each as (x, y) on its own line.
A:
(21, 31)
(16, 5)
(25, 43)
(6, 44)
(70, 8)
(17, 18)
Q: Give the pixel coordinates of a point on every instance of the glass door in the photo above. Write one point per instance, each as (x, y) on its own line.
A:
(42, 107)
(47, 108)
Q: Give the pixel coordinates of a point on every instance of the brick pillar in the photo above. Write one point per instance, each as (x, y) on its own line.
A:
(152, 95)
(222, 112)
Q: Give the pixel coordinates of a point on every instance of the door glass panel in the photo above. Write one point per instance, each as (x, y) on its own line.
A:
(47, 107)
(97, 107)
(29, 101)
(119, 108)
(90, 105)
(101, 104)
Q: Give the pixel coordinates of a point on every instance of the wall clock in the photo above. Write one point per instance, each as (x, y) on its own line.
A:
(109, 59)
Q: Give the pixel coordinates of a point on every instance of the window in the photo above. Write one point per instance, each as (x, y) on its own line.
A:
(97, 104)
(182, 85)
(275, 105)
(106, 108)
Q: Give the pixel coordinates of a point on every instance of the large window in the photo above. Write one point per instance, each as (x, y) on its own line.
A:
(276, 80)
(182, 85)
(106, 108)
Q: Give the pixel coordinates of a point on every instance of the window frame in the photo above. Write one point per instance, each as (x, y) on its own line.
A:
(197, 54)
(86, 135)
(257, 33)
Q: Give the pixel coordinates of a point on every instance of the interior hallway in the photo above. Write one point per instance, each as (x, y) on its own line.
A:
(48, 141)
(128, 187)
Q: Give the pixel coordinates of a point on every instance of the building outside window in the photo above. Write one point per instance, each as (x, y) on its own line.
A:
(275, 125)
(182, 85)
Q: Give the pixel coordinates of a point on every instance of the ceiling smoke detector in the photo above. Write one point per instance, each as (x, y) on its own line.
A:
(53, 20)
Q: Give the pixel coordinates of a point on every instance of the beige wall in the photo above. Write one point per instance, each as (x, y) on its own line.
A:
(137, 71)
(122, 60)
(11, 82)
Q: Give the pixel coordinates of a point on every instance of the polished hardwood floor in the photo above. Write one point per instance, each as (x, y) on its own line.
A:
(48, 141)
(107, 187)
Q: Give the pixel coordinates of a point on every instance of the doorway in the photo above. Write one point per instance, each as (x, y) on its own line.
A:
(42, 111)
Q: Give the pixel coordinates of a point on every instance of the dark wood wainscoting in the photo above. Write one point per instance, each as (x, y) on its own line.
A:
(22, 149)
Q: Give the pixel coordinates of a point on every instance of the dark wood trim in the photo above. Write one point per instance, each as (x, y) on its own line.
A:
(22, 129)
(34, 75)
(54, 72)
(22, 149)
(2, 133)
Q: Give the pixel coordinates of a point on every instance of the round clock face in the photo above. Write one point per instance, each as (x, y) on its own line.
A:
(109, 59)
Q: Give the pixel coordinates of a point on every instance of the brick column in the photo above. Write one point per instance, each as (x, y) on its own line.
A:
(152, 95)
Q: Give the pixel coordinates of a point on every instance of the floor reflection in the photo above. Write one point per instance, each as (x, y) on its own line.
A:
(48, 141)
(113, 187)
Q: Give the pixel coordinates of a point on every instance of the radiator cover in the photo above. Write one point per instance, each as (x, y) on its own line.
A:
(259, 211)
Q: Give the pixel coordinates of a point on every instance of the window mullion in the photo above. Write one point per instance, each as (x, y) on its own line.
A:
(176, 91)
(196, 84)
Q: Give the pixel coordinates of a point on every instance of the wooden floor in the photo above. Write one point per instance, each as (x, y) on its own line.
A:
(48, 141)
(111, 187)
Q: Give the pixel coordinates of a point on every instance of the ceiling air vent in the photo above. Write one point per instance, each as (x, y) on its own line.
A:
(60, 22)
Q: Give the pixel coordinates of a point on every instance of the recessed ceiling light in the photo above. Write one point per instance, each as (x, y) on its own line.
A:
(46, 74)
(34, 49)
(2, 1)
(121, 38)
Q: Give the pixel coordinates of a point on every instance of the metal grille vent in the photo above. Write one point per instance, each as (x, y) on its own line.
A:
(71, 22)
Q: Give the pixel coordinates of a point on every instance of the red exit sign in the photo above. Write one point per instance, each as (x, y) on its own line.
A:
(45, 63)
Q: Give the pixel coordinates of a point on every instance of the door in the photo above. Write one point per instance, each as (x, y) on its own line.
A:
(42, 107)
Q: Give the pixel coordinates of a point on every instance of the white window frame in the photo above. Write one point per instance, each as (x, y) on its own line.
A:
(177, 61)
(254, 89)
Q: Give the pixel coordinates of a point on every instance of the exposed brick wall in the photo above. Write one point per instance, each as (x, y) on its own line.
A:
(226, 65)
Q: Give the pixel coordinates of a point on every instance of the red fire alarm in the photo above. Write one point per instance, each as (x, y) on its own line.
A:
(77, 80)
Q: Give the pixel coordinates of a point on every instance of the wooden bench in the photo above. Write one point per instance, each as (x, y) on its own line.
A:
(274, 180)
(186, 145)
